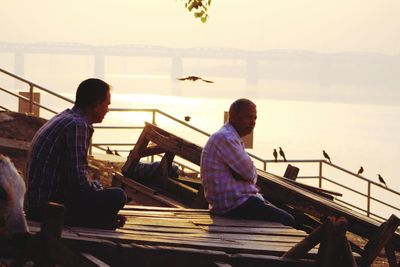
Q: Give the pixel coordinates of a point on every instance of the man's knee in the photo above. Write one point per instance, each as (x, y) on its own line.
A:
(289, 219)
(119, 196)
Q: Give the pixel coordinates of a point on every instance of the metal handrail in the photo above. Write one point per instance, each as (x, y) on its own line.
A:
(264, 162)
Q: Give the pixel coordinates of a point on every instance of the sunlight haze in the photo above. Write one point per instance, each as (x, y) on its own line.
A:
(325, 25)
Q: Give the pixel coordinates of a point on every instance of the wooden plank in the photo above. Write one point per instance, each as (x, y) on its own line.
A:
(271, 231)
(378, 241)
(150, 208)
(390, 255)
(323, 192)
(135, 154)
(94, 260)
(241, 230)
(200, 235)
(159, 255)
(305, 245)
(173, 144)
(281, 191)
(265, 248)
(277, 189)
(202, 219)
(154, 194)
(14, 144)
(152, 150)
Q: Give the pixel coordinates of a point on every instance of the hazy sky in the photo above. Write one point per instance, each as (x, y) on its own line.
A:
(320, 25)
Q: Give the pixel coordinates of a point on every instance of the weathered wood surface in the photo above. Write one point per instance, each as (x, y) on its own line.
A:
(136, 190)
(186, 235)
(275, 188)
(14, 144)
(381, 238)
(282, 191)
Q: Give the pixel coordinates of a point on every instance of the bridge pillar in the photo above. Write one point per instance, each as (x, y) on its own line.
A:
(19, 64)
(99, 66)
(176, 68)
(324, 74)
(252, 70)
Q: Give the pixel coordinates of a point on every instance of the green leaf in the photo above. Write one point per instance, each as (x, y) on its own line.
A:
(199, 14)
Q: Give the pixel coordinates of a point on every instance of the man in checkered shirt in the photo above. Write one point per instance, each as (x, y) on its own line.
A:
(228, 174)
(58, 166)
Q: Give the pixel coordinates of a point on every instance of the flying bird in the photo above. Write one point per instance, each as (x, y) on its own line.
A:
(326, 156)
(275, 155)
(116, 153)
(360, 171)
(187, 118)
(381, 180)
(193, 79)
(282, 154)
(108, 151)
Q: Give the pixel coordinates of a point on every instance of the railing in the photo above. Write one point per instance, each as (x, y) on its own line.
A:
(155, 113)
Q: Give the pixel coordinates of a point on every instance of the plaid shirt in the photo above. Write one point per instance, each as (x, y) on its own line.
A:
(57, 166)
(228, 174)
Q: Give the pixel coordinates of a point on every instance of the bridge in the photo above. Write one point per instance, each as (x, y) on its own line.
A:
(362, 69)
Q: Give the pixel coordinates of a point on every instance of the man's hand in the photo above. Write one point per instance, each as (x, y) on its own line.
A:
(96, 185)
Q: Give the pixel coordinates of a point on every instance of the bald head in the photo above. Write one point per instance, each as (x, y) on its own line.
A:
(243, 116)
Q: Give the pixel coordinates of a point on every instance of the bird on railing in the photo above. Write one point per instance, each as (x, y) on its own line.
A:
(360, 171)
(282, 154)
(193, 79)
(108, 151)
(326, 156)
(381, 180)
(275, 155)
(116, 153)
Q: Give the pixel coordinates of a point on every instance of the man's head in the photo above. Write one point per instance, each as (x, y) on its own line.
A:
(243, 116)
(93, 97)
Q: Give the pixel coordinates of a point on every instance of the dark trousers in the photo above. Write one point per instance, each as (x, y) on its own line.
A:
(90, 209)
(256, 209)
(96, 208)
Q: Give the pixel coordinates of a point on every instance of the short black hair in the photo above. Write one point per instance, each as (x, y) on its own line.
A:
(91, 92)
(240, 104)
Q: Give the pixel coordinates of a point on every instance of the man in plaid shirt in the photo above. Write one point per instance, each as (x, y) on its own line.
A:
(228, 174)
(58, 166)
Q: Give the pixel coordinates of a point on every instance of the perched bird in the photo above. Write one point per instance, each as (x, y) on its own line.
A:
(360, 171)
(193, 79)
(282, 154)
(116, 153)
(187, 118)
(108, 151)
(326, 156)
(381, 180)
(275, 155)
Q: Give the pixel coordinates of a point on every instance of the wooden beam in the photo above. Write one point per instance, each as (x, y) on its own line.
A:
(135, 154)
(14, 144)
(161, 174)
(151, 193)
(152, 150)
(333, 250)
(378, 241)
(301, 249)
(391, 255)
